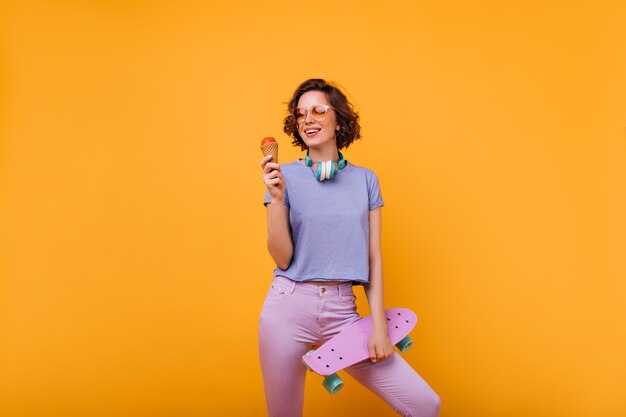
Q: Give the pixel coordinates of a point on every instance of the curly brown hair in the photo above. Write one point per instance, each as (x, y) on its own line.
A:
(347, 118)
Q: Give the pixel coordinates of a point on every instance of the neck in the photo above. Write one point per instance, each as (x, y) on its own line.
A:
(318, 155)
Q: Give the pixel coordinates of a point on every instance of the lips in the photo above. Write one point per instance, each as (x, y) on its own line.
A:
(312, 131)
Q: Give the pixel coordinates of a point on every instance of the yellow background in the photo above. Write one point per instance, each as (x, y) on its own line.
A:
(132, 252)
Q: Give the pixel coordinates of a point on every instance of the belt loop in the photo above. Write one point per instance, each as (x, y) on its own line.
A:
(292, 286)
(339, 287)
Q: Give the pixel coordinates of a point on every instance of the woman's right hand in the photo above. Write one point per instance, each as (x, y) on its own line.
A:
(273, 179)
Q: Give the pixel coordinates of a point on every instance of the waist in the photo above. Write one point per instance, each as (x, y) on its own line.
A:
(315, 282)
(326, 282)
(314, 288)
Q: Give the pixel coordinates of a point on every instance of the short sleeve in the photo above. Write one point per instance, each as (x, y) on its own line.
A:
(268, 198)
(373, 189)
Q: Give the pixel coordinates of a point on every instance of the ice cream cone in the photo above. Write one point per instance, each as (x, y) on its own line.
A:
(271, 148)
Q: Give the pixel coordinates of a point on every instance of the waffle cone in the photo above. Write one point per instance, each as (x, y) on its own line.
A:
(271, 149)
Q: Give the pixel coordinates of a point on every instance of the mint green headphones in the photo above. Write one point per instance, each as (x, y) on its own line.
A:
(326, 170)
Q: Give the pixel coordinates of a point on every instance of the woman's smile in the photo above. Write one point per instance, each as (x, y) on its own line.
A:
(312, 131)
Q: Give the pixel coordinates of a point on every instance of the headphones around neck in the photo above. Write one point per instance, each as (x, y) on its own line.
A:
(326, 170)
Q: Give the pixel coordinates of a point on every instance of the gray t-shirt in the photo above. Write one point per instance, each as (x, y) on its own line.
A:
(329, 222)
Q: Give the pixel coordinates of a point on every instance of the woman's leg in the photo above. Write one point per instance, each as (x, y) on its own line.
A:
(286, 333)
(392, 379)
(397, 383)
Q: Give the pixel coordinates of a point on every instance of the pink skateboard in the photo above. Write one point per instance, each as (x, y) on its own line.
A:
(350, 346)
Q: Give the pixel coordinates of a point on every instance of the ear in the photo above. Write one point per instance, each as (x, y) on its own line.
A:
(337, 128)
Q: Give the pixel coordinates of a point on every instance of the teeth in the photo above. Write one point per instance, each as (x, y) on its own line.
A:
(311, 130)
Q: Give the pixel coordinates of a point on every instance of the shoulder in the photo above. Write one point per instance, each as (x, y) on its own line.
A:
(290, 166)
(368, 173)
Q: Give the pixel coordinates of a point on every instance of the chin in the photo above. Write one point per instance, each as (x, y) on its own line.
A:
(317, 143)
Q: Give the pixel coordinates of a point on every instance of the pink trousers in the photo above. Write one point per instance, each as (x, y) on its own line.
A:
(297, 317)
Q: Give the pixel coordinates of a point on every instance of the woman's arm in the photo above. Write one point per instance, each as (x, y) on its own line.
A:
(379, 344)
(279, 241)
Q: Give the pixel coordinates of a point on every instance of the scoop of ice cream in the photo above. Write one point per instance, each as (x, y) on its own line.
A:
(268, 139)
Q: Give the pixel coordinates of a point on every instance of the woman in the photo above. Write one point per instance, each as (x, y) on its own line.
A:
(324, 232)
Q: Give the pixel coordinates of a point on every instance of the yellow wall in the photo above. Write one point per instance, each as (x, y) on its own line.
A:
(132, 236)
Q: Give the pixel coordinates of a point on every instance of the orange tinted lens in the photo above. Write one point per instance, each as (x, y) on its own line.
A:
(318, 112)
(300, 115)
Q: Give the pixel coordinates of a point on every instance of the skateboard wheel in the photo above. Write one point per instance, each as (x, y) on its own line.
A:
(333, 383)
(304, 363)
(404, 344)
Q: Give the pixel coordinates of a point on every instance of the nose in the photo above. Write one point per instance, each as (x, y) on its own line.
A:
(308, 118)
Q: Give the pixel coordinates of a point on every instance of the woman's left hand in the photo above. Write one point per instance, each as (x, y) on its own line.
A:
(379, 346)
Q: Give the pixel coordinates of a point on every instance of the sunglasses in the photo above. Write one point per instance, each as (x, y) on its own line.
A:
(317, 112)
